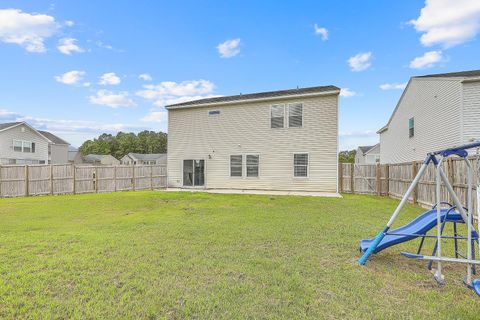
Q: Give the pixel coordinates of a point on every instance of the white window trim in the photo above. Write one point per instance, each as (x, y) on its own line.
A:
(284, 116)
(287, 114)
(252, 154)
(22, 141)
(230, 165)
(308, 165)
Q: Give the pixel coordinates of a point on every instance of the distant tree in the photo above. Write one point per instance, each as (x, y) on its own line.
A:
(347, 156)
(123, 143)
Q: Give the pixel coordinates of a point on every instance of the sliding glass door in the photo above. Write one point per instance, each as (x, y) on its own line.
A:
(193, 173)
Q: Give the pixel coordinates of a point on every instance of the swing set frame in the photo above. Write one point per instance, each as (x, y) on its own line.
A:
(437, 158)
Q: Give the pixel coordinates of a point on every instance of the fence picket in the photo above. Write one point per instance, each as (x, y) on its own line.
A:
(33, 180)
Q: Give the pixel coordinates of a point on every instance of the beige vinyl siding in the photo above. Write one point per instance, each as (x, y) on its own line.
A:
(435, 104)
(59, 153)
(471, 111)
(15, 133)
(245, 128)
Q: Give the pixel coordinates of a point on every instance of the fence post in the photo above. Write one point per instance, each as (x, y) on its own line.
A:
(95, 179)
(26, 180)
(51, 179)
(352, 178)
(340, 177)
(133, 177)
(378, 174)
(151, 177)
(387, 179)
(451, 175)
(115, 178)
(415, 190)
(74, 178)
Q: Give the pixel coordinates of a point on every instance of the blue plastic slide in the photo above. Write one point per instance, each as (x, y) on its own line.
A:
(419, 226)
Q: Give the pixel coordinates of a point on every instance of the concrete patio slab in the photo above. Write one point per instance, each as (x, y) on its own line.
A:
(260, 192)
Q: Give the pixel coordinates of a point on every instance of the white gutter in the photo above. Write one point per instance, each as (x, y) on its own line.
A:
(305, 95)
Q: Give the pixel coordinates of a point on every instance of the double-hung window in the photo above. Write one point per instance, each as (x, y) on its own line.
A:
(411, 127)
(295, 115)
(236, 165)
(300, 165)
(252, 163)
(23, 146)
(277, 116)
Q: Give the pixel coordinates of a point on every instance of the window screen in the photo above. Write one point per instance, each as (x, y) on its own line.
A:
(17, 145)
(236, 166)
(277, 116)
(295, 117)
(300, 165)
(252, 165)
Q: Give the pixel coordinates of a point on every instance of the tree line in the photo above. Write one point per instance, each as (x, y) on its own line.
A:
(122, 143)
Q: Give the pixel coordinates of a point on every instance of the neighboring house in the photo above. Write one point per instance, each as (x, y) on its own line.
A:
(280, 140)
(20, 143)
(99, 159)
(144, 159)
(74, 156)
(57, 149)
(434, 112)
(368, 154)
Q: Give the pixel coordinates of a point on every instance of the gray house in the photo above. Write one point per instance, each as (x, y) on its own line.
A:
(434, 112)
(144, 159)
(100, 159)
(368, 154)
(20, 143)
(278, 140)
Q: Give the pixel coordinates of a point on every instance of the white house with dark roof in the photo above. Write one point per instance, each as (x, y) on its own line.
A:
(434, 112)
(144, 158)
(368, 154)
(280, 140)
(20, 143)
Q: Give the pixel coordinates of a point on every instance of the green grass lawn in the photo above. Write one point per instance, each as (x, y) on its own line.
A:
(195, 255)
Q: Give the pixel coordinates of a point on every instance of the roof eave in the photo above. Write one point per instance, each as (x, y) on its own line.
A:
(382, 129)
(293, 96)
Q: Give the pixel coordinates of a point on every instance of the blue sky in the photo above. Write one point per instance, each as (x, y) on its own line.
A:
(86, 67)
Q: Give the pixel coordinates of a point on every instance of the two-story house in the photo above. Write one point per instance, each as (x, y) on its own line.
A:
(435, 111)
(368, 154)
(20, 143)
(280, 140)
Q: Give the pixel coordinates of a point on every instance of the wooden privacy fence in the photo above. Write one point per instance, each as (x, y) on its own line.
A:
(393, 180)
(33, 180)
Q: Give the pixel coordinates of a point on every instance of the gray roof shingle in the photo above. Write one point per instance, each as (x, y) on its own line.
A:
(50, 136)
(364, 149)
(8, 125)
(459, 74)
(260, 95)
(148, 156)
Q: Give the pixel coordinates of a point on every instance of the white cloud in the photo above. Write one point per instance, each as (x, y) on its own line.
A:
(390, 86)
(448, 22)
(73, 131)
(70, 77)
(169, 92)
(323, 32)
(68, 45)
(109, 78)
(346, 92)
(145, 77)
(428, 60)
(229, 48)
(360, 62)
(69, 23)
(156, 116)
(113, 100)
(25, 29)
